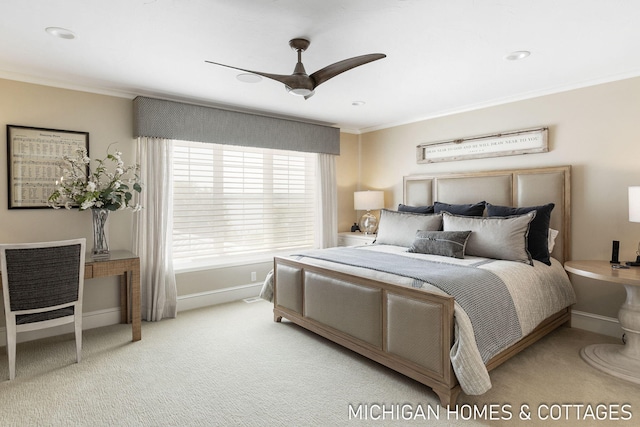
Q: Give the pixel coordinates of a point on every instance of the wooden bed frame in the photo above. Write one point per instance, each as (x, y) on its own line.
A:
(374, 318)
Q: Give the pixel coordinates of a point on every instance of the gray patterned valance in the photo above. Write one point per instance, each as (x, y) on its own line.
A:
(177, 120)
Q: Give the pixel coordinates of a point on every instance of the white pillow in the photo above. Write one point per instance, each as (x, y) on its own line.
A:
(494, 237)
(399, 228)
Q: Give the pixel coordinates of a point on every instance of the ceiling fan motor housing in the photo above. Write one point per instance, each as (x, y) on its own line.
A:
(299, 44)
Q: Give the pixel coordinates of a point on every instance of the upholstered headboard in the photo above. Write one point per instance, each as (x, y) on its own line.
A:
(517, 187)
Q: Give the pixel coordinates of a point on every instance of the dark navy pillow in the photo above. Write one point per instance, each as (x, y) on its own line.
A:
(474, 209)
(538, 229)
(415, 209)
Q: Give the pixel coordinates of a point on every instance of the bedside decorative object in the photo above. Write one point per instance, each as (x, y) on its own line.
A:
(97, 189)
(622, 361)
(368, 201)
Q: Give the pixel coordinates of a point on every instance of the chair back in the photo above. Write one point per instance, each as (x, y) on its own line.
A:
(37, 276)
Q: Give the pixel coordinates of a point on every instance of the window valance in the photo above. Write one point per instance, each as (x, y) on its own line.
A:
(176, 120)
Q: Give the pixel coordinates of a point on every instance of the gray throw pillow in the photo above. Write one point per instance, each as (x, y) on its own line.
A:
(399, 228)
(445, 243)
(494, 237)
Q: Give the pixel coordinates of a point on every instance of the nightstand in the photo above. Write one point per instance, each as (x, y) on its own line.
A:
(355, 239)
(622, 361)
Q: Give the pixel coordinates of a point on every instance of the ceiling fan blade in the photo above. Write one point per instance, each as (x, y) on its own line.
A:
(333, 70)
(286, 79)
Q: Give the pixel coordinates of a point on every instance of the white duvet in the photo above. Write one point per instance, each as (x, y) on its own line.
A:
(537, 292)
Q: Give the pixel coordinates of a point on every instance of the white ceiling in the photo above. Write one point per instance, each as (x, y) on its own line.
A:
(443, 56)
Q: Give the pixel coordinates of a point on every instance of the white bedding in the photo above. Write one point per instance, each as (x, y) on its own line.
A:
(537, 292)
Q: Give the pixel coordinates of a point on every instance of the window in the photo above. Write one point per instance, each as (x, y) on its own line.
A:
(235, 202)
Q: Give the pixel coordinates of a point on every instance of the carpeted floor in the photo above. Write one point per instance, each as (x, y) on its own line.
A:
(231, 365)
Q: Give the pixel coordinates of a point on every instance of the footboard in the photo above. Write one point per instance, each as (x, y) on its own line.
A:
(408, 330)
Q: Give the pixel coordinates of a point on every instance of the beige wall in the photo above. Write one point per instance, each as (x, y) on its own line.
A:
(596, 130)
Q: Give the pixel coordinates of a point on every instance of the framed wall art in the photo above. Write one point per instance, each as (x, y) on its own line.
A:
(33, 162)
(510, 143)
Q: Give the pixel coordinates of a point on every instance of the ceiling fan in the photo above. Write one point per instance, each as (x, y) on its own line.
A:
(301, 84)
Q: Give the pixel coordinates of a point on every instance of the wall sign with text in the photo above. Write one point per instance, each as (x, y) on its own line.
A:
(34, 156)
(501, 144)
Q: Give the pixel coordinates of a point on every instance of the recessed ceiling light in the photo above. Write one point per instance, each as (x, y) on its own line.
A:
(517, 55)
(249, 78)
(62, 33)
(358, 103)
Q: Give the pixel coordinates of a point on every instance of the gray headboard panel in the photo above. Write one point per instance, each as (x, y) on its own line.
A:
(517, 187)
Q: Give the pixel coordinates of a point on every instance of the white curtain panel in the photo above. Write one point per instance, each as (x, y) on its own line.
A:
(153, 229)
(327, 202)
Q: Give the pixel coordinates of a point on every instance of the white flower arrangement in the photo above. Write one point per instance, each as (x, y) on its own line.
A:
(87, 187)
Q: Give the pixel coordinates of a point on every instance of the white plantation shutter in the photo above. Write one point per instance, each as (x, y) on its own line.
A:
(232, 201)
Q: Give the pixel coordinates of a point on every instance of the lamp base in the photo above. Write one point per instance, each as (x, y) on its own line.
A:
(368, 223)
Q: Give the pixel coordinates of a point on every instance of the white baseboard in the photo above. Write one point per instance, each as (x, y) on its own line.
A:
(596, 323)
(219, 296)
(111, 316)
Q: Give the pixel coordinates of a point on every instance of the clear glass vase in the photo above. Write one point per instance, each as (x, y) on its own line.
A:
(100, 219)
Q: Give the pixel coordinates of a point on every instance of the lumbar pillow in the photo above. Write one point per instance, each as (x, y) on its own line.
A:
(538, 232)
(494, 237)
(399, 228)
(474, 209)
(445, 243)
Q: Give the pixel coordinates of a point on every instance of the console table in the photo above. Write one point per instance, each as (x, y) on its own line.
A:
(622, 361)
(126, 265)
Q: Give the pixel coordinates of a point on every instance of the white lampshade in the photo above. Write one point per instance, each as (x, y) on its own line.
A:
(368, 200)
(634, 204)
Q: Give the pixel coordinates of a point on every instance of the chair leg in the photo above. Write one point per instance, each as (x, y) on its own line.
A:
(11, 348)
(78, 328)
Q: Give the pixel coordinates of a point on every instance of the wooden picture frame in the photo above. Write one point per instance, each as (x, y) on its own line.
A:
(33, 162)
(525, 141)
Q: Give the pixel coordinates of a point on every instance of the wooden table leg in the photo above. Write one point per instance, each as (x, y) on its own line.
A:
(135, 304)
(124, 299)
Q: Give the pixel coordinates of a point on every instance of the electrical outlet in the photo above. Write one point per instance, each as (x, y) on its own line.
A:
(253, 276)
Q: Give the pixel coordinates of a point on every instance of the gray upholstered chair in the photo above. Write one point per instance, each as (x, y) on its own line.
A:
(42, 285)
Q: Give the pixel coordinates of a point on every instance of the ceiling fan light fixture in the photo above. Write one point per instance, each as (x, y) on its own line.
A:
(301, 91)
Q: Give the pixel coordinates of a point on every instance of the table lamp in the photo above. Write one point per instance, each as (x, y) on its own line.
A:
(368, 201)
(634, 216)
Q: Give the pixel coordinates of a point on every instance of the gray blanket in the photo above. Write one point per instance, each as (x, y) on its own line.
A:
(482, 294)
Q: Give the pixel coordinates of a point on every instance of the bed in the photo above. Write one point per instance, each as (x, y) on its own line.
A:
(395, 302)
